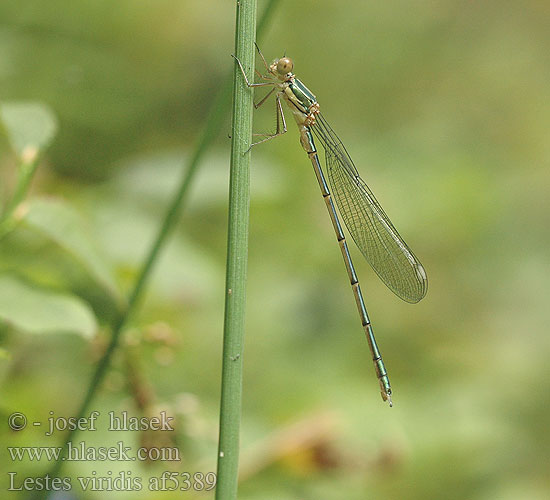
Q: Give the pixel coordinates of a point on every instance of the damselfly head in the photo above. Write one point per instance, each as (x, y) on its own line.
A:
(283, 67)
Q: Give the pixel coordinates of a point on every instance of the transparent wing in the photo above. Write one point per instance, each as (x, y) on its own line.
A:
(368, 224)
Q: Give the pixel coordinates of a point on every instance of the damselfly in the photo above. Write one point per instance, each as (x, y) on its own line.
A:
(368, 224)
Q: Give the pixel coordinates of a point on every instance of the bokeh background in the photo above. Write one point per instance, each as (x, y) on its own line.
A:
(445, 108)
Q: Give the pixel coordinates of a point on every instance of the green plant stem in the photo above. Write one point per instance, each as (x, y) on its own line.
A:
(237, 255)
(211, 130)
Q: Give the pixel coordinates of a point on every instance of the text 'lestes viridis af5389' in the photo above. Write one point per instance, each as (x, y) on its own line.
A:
(368, 224)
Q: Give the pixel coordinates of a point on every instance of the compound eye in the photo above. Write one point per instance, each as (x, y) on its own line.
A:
(284, 65)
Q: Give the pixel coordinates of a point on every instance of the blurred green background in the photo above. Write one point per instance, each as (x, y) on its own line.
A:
(445, 108)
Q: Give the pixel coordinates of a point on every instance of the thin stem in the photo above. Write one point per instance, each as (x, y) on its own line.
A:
(211, 130)
(26, 169)
(237, 255)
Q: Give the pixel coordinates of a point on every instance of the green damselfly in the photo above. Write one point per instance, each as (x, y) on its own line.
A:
(368, 224)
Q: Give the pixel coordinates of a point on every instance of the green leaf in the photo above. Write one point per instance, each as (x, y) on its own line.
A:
(31, 126)
(37, 311)
(63, 225)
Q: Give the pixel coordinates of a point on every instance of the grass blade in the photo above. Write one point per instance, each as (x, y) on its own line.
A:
(237, 255)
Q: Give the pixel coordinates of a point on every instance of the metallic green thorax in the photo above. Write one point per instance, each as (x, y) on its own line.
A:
(300, 99)
(304, 96)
